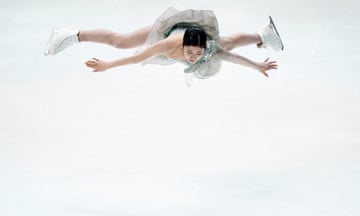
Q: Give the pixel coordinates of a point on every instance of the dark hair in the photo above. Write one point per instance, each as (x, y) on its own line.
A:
(195, 36)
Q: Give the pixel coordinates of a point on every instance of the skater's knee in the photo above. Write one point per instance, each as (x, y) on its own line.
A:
(227, 43)
(117, 41)
(120, 41)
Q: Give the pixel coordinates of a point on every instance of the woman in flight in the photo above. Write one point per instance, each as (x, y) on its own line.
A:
(189, 36)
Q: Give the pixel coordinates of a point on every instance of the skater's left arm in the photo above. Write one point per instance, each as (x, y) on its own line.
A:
(238, 59)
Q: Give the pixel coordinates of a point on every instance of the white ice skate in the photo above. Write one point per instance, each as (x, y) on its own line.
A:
(270, 37)
(61, 38)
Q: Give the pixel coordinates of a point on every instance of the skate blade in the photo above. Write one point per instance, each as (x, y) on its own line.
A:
(47, 48)
(276, 31)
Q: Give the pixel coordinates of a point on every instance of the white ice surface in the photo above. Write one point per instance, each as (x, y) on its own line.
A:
(136, 141)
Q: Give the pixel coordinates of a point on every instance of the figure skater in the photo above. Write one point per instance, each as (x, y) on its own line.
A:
(189, 36)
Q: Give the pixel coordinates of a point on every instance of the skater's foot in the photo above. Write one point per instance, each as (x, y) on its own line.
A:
(61, 38)
(270, 37)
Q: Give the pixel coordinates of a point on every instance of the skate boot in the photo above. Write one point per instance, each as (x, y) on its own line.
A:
(61, 38)
(270, 37)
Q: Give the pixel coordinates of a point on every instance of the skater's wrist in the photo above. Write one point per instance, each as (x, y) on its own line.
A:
(110, 64)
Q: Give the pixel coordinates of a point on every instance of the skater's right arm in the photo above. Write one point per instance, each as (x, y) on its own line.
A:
(155, 49)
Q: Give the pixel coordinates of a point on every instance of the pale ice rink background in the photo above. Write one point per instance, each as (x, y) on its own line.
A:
(136, 141)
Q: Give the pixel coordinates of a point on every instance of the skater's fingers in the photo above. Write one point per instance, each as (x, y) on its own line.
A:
(267, 59)
(265, 74)
(95, 59)
(91, 64)
(272, 65)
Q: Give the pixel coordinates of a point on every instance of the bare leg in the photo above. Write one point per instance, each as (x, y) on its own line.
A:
(122, 41)
(239, 39)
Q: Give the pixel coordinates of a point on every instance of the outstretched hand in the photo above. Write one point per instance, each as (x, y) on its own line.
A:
(267, 65)
(97, 64)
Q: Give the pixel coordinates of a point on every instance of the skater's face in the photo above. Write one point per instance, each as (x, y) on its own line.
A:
(193, 53)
